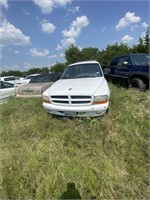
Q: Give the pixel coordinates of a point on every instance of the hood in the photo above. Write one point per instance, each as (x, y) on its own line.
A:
(76, 86)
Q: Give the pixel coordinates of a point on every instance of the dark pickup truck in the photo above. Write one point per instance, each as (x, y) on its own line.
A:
(131, 70)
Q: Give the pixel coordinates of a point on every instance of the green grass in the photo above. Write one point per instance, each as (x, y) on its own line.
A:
(105, 157)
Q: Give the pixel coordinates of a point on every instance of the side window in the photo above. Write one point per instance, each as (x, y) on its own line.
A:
(7, 85)
(122, 60)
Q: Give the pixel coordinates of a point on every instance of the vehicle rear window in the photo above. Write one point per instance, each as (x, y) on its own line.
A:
(43, 78)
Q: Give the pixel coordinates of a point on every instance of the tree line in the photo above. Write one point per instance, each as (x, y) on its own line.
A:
(74, 54)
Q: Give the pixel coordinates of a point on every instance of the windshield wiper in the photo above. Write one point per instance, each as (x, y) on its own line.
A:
(85, 76)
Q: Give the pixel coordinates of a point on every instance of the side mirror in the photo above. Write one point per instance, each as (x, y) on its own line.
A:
(107, 71)
(126, 63)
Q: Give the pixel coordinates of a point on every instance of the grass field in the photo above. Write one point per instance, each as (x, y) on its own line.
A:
(47, 157)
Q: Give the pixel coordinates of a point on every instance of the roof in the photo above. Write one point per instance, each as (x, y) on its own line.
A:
(131, 54)
(85, 62)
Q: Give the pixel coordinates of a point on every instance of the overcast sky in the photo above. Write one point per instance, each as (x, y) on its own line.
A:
(35, 33)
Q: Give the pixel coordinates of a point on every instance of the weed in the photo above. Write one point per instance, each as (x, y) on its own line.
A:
(103, 158)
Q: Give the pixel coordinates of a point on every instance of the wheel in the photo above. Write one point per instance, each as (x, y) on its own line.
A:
(137, 83)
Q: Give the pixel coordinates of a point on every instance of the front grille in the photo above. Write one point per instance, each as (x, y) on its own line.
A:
(60, 97)
(80, 97)
(71, 100)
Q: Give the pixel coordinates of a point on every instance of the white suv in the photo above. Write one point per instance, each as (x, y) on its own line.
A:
(81, 91)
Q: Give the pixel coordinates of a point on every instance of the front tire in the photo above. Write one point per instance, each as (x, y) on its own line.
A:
(137, 83)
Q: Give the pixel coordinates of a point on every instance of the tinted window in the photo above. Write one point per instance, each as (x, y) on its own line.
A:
(118, 61)
(10, 79)
(4, 85)
(122, 60)
(82, 70)
(141, 59)
(43, 78)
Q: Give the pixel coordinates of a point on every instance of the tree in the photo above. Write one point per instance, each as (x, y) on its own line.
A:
(112, 50)
(90, 53)
(139, 48)
(147, 40)
(58, 67)
(11, 73)
(143, 44)
(44, 70)
(73, 54)
(36, 71)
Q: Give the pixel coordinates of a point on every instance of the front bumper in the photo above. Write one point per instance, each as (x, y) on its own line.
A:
(77, 111)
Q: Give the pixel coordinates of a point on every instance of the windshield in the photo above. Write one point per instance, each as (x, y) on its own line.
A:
(82, 71)
(30, 76)
(141, 59)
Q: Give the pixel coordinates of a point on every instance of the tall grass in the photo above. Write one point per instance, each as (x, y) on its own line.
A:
(105, 157)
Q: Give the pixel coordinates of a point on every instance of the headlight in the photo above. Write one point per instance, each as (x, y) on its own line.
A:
(101, 99)
(46, 99)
